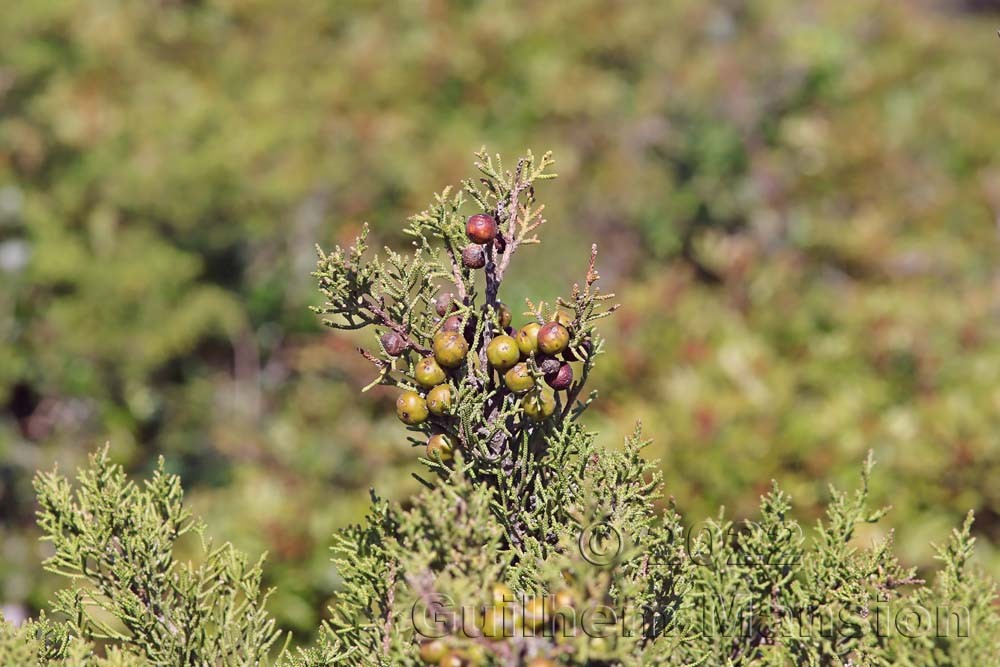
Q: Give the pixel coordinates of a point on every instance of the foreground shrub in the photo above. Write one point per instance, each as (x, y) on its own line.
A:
(530, 544)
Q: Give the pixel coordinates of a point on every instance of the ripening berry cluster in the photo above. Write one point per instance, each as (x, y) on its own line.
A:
(524, 360)
(503, 617)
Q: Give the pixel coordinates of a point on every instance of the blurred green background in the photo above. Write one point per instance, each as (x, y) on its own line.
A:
(796, 202)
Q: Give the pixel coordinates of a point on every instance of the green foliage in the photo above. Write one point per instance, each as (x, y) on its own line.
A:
(766, 594)
(48, 644)
(115, 541)
(763, 595)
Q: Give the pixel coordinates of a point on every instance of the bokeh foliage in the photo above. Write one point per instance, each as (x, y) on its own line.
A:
(795, 201)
